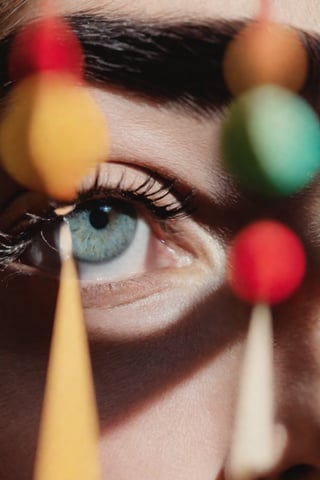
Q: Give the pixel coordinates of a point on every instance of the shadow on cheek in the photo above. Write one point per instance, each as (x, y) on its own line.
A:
(26, 318)
(131, 374)
(128, 375)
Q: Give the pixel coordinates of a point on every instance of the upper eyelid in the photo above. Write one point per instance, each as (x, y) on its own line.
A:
(151, 193)
(112, 179)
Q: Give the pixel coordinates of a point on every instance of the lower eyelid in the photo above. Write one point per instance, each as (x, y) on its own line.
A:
(146, 304)
(201, 257)
(140, 289)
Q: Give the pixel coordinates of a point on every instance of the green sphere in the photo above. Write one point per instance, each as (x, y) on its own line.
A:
(270, 141)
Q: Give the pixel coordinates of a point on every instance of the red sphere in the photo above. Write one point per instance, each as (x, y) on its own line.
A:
(267, 263)
(48, 44)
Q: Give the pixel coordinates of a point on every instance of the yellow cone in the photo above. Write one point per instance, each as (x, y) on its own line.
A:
(68, 440)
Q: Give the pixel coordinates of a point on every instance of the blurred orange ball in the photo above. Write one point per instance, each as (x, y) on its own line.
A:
(52, 134)
(265, 53)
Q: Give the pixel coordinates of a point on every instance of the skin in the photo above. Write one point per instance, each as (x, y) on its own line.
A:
(166, 378)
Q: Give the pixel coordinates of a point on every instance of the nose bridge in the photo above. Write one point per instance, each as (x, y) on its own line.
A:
(297, 387)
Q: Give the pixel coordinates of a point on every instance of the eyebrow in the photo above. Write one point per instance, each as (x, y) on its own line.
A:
(177, 63)
(180, 62)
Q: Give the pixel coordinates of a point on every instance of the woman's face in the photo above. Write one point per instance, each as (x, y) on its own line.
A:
(166, 334)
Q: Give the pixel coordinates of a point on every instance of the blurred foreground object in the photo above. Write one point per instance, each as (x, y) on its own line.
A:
(45, 45)
(69, 431)
(270, 141)
(265, 52)
(266, 265)
(52, 133)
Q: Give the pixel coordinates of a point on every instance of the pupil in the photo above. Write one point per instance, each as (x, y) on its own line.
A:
(99, 217)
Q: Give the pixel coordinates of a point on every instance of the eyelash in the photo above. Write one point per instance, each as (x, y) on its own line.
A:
(145, 195)
(12, 246)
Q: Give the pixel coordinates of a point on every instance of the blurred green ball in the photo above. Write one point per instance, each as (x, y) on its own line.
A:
(270, 141)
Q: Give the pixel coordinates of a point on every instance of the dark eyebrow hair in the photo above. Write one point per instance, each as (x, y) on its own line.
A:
(176, 63)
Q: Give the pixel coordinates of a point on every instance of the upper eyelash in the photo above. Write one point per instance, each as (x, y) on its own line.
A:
(12, 246)
(145, 195)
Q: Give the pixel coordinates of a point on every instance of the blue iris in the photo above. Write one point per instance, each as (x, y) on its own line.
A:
(102, 230)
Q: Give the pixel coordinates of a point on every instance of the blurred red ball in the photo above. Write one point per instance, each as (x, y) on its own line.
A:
(267, 263)
(45, 45)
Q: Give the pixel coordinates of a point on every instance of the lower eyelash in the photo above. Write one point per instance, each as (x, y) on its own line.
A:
(11, 247)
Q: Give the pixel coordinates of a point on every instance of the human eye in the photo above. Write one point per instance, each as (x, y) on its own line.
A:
(124, 222)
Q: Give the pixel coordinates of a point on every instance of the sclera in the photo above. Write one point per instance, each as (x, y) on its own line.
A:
(265, 52)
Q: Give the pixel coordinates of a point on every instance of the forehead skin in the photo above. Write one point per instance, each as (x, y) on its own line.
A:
(303, 14)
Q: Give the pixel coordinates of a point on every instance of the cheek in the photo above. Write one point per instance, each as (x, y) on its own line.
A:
(152, 315)
(25, 329)
(183, 432)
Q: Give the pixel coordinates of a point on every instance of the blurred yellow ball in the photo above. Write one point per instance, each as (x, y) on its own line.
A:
(52, 134)
(265, 53)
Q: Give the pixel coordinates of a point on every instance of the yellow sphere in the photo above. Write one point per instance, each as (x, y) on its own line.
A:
(265, 53)
(52, 134)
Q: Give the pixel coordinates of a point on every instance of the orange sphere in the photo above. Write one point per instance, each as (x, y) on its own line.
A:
(52, 135)
(265, 53)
